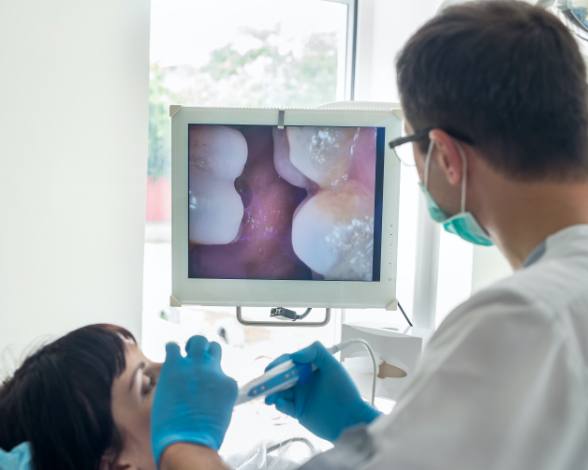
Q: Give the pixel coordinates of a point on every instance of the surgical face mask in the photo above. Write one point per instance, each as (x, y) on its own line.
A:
(462, 224)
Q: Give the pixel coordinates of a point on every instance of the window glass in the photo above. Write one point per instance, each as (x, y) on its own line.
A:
(384, 27)
(259, 53)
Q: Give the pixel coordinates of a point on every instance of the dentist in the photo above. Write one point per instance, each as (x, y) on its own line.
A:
(495, 99)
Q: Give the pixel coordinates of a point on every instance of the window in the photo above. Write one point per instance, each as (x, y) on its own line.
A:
(383, 28)
(287, 53)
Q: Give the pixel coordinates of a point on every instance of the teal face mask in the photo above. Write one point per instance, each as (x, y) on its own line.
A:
(463, 224)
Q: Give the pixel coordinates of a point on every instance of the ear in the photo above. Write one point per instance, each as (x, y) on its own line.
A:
(447, 156)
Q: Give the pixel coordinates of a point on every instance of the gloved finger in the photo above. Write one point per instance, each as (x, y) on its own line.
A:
(196, 346)
(286, 407)
(285, 395)
(315, 354)
(172, 352)
(215, 350)
(276, 362)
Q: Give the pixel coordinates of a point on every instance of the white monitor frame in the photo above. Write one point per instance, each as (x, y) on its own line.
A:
(292, 293)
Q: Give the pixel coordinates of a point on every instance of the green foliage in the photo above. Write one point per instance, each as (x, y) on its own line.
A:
(264, 74)
(159, 161)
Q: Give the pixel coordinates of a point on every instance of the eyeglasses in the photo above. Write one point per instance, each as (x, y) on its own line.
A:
(405, 155)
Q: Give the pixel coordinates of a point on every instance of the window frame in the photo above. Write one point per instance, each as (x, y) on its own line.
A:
(351, 46)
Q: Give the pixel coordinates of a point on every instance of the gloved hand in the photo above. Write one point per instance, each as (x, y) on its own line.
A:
(328, 402)
(194, 399)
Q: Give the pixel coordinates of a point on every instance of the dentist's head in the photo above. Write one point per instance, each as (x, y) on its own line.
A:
(83, 402)
(496, 93)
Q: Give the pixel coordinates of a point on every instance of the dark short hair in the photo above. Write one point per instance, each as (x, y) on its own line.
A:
(508, 75)
(59, 399)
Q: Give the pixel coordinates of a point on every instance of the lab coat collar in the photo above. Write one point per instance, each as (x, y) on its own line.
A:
(557, 240)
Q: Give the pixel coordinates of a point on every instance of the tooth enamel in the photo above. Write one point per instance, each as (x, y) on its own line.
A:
(282, 163)
(216, 211)
(217, 157)
(363, 166)
(323, 154)
(333, 232)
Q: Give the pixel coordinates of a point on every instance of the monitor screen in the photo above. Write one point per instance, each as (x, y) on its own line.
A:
(297, 203)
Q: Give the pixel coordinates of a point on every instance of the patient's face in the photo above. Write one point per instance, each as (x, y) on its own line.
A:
(132, 398)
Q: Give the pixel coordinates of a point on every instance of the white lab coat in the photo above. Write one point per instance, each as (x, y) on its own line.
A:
(503, 382)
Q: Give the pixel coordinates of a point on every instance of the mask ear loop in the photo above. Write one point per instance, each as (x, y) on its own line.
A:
(464, 161)
(427, 162)
(464, 184)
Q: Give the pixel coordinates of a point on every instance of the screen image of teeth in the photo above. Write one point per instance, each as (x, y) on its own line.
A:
(299, 203)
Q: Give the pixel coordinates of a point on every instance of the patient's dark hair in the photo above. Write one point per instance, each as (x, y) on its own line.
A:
(508, 75)
(59, 400)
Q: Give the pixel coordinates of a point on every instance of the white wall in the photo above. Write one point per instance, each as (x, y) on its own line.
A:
(73, 146)
(383, 28)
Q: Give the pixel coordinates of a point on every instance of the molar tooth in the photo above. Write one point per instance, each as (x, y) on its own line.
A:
(217, 157)
(333, 233)
(323, 154)
(218, 150)
(282, 163)
(216, 211)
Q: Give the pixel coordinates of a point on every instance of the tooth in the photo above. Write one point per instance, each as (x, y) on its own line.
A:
(363, 166)
(333, 232)
(218, 150)
(216, 211)
(282, 163)
(217, 157)
(323, 154)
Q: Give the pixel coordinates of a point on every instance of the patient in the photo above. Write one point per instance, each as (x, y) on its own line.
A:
(83, 402)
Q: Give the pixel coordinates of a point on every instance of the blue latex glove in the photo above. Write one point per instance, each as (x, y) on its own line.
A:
(328, 402)
(194, 399)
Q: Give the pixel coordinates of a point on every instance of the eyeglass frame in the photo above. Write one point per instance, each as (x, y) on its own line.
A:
(424, 133)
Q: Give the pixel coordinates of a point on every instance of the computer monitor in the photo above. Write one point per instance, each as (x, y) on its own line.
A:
(284, 208)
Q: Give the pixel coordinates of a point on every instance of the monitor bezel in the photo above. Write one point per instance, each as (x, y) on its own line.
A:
(292, 293)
